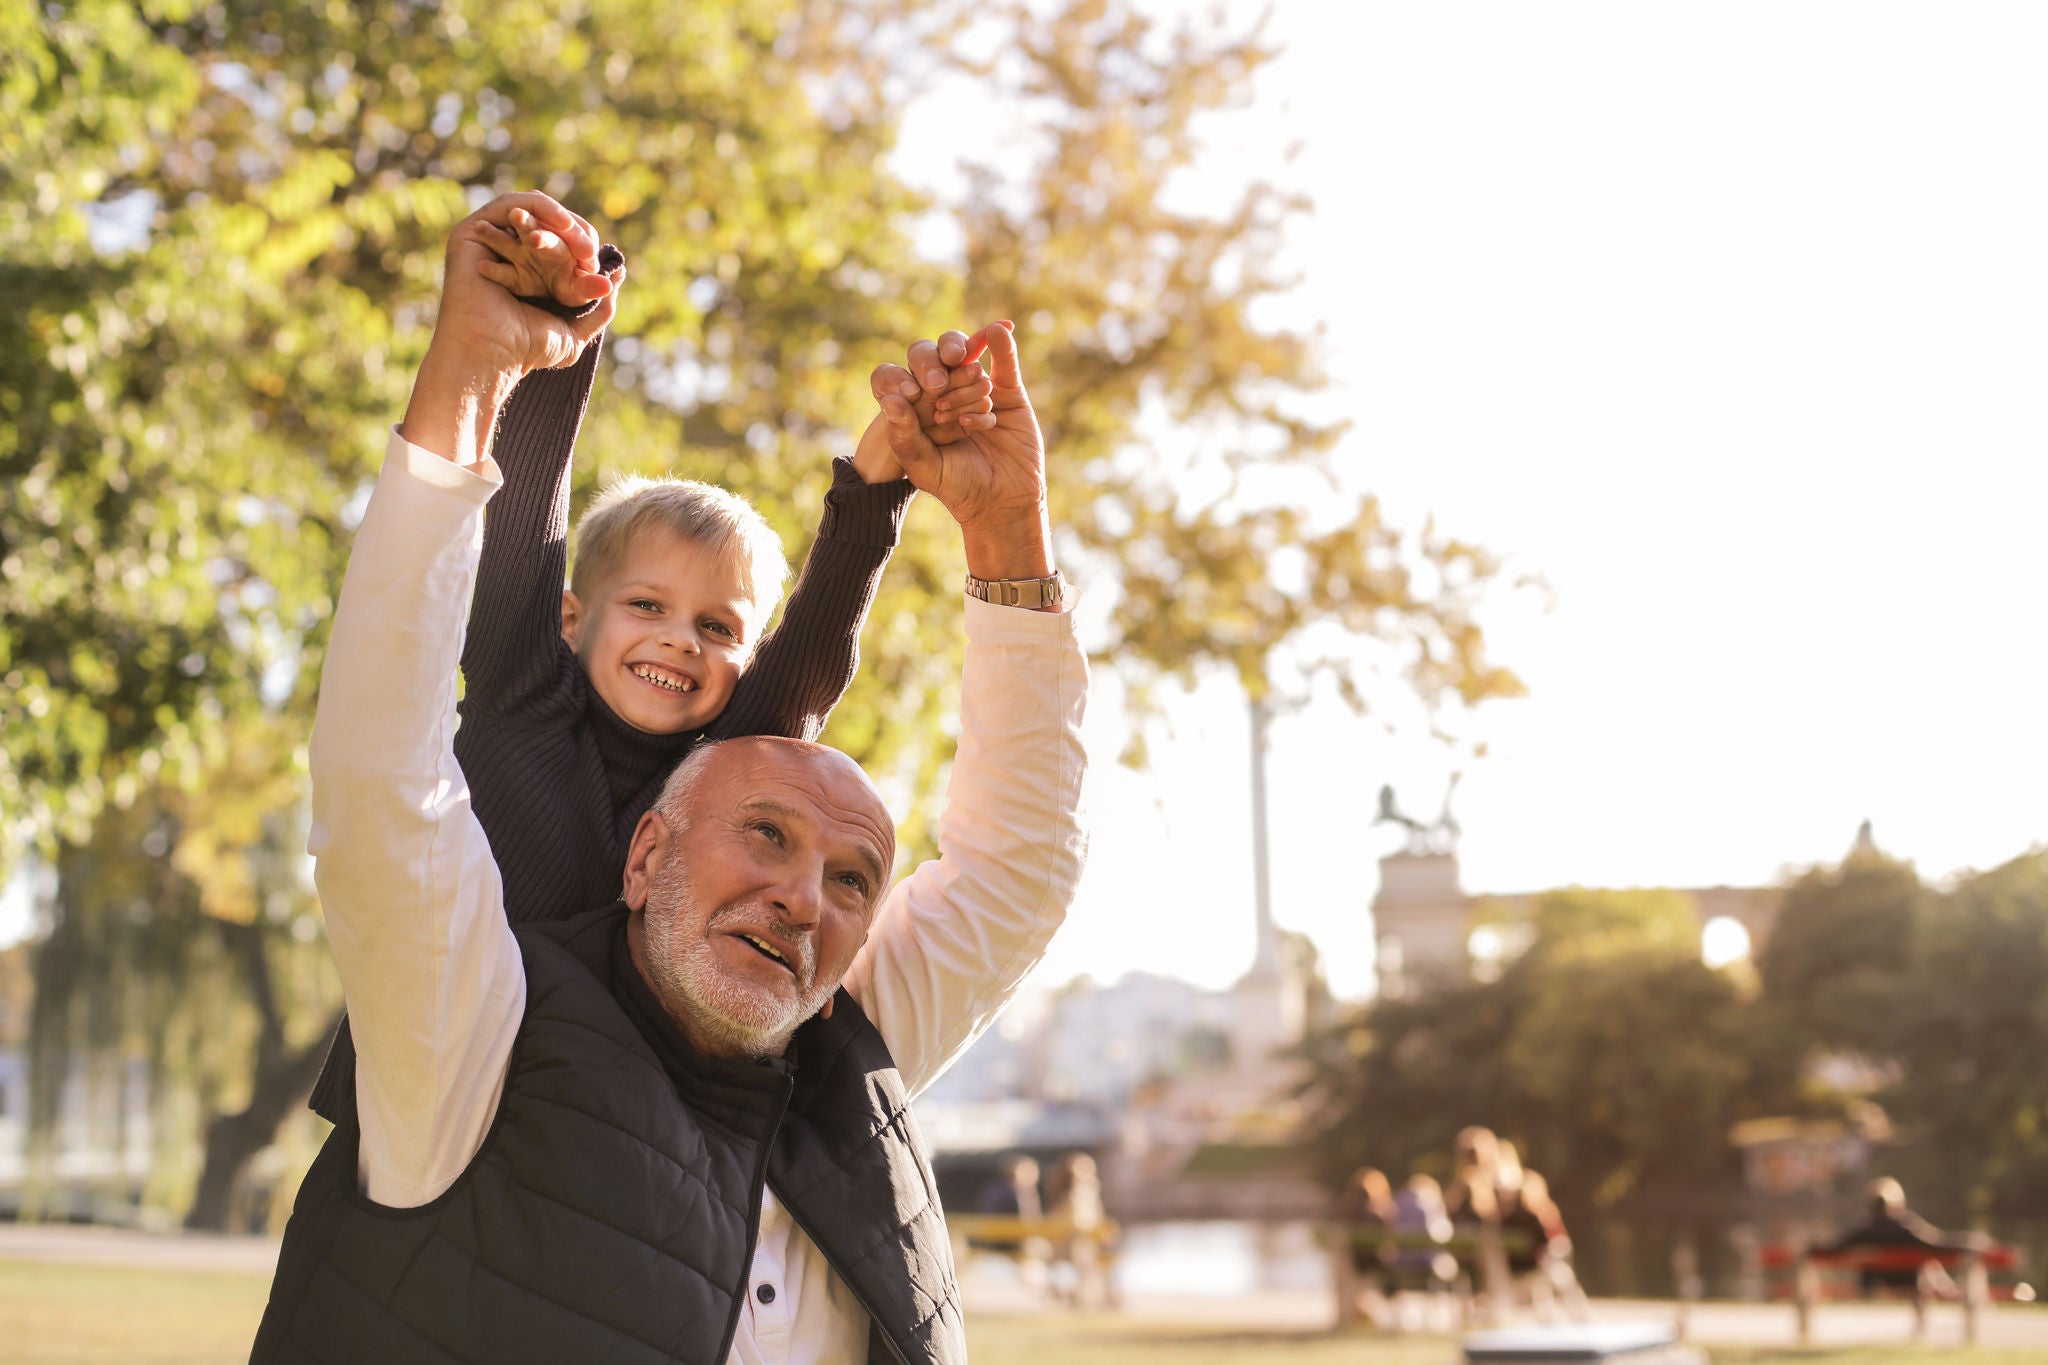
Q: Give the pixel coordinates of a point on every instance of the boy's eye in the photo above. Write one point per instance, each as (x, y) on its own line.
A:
(721, 628)
(644, 604)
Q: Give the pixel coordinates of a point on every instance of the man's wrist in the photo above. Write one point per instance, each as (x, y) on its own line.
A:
(456, 400)
(1015, 548)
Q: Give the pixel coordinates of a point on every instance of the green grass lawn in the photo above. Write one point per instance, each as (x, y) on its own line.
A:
(95, 1315)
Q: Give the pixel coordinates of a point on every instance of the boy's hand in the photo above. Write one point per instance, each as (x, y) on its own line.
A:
(535, 262)
(482, 323)
(944, 417)
(993, 482)
(958, 401)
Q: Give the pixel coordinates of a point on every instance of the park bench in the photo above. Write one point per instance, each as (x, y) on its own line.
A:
(1411, 1263)
(1809, 1275)
(1037, 1245)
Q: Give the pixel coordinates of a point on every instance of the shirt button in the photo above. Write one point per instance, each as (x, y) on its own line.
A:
(765, 1293)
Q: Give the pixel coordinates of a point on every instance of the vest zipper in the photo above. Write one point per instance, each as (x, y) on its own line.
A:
(873, 1321)
(759, 1183)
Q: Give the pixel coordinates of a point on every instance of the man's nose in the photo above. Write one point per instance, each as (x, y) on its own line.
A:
(799, 899)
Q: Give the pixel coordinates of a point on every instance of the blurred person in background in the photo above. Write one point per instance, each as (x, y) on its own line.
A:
(1074, 1209)
(1012, 1193)
(1366, 1242)
(1424, 1265)
(1474, 1203)
(1538, 1250)
(1891, 1225)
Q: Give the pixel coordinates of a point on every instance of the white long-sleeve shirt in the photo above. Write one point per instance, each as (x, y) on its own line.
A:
(415, 906)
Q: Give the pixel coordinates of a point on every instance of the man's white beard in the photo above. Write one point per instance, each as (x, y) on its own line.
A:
(687, 974)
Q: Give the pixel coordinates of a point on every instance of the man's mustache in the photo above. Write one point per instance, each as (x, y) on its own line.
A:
(800, 943)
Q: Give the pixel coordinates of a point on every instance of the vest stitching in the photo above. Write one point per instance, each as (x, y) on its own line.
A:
(636, 1049)
(610, 1226)
(622, 1333)
(646, 1142)
(384, 1311)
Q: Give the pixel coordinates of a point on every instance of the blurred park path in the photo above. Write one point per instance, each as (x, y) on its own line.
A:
(1282, 1311)
(1721, 1324)
(61, 1244)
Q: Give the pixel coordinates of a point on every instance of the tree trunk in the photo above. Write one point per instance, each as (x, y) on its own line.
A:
(233, 1139)
(283, 1079)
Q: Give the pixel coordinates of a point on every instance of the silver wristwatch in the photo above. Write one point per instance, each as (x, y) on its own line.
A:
(1033, 594)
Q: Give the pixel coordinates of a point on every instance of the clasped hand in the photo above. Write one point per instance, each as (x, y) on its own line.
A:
(967, 437)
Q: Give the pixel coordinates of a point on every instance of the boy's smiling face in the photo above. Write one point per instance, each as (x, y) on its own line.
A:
(664, 637)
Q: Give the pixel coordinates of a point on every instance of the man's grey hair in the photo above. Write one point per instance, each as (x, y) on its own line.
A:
(681, 786)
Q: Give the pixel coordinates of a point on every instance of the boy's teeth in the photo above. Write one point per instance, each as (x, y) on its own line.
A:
(661, 679)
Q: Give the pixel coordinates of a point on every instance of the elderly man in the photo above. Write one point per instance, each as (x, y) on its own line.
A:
(676, 1128)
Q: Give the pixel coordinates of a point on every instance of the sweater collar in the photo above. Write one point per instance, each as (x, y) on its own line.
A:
(633, 759)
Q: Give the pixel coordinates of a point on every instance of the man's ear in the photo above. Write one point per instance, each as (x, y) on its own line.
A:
(572, 616)
(644, 858)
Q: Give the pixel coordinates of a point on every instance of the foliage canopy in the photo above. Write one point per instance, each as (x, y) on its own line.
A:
(220, 239)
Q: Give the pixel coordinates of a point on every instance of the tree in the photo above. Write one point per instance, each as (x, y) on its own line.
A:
(1607, 1052)
(223, 226)
(1840, 948)
(186, 936)
(1131, 307)
(1967, 1027)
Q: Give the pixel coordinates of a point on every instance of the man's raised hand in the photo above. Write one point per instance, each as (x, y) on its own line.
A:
(993, 480)
(490, 255)
(944, 414)
(485, 340)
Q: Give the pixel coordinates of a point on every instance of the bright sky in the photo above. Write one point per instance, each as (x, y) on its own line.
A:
(1731, 322)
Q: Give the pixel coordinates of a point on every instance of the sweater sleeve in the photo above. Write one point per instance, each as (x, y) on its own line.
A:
(515, 620)
(512, 650)
(806, 663)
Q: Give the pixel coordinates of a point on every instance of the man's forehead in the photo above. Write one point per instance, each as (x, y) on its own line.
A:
(808, 779)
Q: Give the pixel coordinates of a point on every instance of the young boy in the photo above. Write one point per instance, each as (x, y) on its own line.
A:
(578, 702)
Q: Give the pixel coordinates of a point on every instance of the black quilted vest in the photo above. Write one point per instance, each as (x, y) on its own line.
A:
(611, 1212)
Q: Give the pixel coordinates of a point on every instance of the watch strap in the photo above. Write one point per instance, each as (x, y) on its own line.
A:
(1033, 594)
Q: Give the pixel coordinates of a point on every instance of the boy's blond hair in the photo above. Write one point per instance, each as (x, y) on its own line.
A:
(695, 513)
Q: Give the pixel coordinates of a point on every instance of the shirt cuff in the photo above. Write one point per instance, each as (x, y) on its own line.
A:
(862, 512)
(998, 624)
(480, 480)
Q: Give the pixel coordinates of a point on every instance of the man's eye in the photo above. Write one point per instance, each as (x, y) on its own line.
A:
(854, 880)
(768, 830)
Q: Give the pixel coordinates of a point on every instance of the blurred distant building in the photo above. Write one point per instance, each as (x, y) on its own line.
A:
(1432, 932)
(1147, 1075)
(1183, 1095)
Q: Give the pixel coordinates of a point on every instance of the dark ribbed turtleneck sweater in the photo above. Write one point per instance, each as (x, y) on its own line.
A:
(556, 778)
